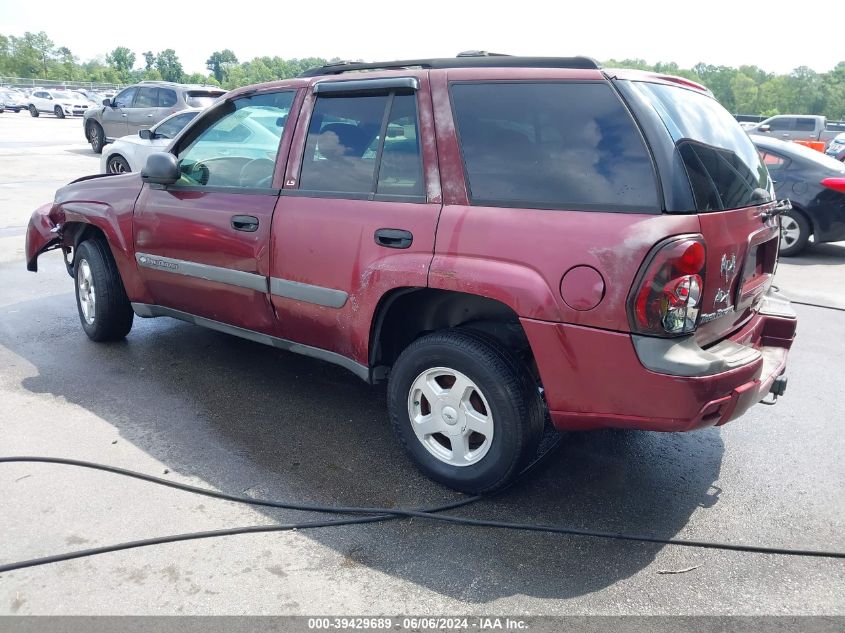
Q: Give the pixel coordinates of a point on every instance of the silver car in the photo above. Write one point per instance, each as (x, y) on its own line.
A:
(140, 107)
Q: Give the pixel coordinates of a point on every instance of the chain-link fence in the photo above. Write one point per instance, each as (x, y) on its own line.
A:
(27, 82)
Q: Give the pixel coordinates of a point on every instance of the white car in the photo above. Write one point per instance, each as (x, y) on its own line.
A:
(129, 153)
(62, 103)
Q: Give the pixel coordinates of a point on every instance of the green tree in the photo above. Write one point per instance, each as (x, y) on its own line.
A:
(42, 46)
(744, 92)
(220, 62)
(168, 64)
(121, 59)
(149, 60)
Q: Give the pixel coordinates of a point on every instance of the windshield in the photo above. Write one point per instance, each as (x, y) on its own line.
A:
(58, 94)
(724, 169)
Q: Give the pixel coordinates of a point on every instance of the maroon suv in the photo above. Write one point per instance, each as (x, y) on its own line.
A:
(502, 239)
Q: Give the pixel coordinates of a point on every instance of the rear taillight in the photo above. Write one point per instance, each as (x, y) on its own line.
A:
(666, 299)
(837, 184)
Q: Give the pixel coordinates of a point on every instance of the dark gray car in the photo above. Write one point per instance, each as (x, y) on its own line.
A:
(141, 106)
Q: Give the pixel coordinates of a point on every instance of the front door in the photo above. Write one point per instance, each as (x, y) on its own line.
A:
(202, 245)
(115, 116)
(356, 218)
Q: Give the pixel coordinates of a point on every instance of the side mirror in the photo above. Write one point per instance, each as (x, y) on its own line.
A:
(161, 169)
(764, 128)
(107, 102)
(147, 135)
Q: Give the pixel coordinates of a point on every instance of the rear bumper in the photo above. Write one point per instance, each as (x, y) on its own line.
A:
(596, 379)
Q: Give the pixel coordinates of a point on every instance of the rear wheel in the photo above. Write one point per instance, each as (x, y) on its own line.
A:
(794, 233)
(94, 134)
(33, 111)
(466, 409)
(59, 112)
(117, 165)
(104, 309)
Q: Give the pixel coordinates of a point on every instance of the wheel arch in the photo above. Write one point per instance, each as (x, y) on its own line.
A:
(405, 314)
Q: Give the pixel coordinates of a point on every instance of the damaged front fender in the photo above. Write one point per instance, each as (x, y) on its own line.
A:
(44, 233)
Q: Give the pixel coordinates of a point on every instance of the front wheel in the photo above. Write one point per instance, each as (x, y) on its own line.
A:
(104, 309)
(59, 112)
(117, 165)
(794, 233)
(466, 409)
(33, 111)
(96, 137)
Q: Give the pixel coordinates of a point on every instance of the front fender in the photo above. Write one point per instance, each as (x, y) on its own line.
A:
(42, 234)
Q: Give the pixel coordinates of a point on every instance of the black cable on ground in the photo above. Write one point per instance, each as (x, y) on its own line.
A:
(817, 305)
(381, 514)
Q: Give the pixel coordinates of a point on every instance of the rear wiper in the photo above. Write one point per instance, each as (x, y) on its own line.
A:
(779, 209)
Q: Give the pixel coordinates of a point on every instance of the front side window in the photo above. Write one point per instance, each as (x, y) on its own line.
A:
(353, 148)
(236, 148)
(555, 145)
(124, 99)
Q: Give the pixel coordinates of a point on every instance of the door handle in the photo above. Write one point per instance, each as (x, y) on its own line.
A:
(247, 223)
(124, 114)
(149, 116)
(394, 238)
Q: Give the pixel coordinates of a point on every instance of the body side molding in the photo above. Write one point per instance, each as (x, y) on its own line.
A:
(320, 295)
(228, 276)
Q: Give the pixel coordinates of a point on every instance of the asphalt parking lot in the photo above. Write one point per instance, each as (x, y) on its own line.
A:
(200, 407)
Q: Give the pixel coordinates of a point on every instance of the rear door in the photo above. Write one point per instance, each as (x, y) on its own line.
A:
(731, 192)
(202, 245)
(357, 217)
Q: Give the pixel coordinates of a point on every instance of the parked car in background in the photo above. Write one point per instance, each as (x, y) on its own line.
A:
(794, 127)
(836, 149)
(129, 153)
(504, 240)
(62, 103)
(90, 95)
(140, 107)
(13, 100)
(815, 184)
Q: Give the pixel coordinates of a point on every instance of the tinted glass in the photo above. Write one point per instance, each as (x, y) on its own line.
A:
(338, 153)
(782, 124)
(166, 98)
(773, 161)
(724, 168)
(552, 145)
(172, 127)
(232, 149)
(400, 171)
(146, 98)
(201, 98)
(124, 99)
(805, 125)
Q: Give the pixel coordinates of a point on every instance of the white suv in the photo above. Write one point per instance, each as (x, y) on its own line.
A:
(59, 102)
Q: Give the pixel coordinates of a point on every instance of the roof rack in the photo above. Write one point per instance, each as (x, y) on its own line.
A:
(478, 60)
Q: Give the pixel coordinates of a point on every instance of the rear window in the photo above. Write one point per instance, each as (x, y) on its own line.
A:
(552, 145)
(724, 168)
(202, 98)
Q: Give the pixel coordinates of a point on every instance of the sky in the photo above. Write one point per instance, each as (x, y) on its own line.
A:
(716, 32)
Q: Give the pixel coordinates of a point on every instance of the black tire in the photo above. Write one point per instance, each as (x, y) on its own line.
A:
(117, 164)
(60, 114)
(795, 221)
(112, 313)
(505, 383)
(33, 111)
(96, 137)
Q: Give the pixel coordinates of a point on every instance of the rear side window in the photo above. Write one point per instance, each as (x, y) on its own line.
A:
(552, 145)
(166, 98)
(805, 125)
(353, 148)
(725, 170)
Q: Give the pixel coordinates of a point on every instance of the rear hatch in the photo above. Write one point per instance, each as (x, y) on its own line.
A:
(711, 168)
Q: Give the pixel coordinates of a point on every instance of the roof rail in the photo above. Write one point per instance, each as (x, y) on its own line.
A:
(477, 60)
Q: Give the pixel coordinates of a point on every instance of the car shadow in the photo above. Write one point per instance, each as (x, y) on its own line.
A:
(830, 253)
(242, 416)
